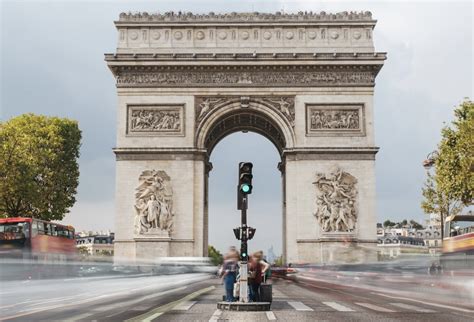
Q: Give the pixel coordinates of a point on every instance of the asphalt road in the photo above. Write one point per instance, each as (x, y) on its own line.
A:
(193, 297)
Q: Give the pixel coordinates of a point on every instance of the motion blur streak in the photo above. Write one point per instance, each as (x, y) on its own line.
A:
(407, 279)
(115, 286)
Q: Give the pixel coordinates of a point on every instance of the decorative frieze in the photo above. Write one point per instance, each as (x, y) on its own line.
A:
(336, 201)
(244, 76)
(155, 120)
(301, 16)
(335, 119)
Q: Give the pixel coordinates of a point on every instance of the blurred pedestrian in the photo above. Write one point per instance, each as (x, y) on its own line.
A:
(432, 269)
(257, 269)
(229, 273)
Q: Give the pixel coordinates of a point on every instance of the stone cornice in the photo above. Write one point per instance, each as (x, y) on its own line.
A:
(352, 57)
(244, 17)
(245, 75)
(331, 153)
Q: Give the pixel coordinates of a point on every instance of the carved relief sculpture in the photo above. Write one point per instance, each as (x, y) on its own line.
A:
(335, 119)
(336, 207)
(154, 204)
(154, 119)
(285, 105)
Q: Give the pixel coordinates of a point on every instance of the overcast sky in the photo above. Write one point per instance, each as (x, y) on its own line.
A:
(52, 63)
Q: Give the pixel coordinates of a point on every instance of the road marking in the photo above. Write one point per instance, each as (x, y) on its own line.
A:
(215, 316)
(427, 303)
(162, 309)
(81, 317)
(375, 307)
(184, 306)
(270, 315)
(338, 307)
(298, 306)
(412, 307)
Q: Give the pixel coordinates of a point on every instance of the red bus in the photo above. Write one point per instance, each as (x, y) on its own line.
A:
(35, 245)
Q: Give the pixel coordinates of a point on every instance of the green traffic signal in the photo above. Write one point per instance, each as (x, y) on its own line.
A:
(245, 188)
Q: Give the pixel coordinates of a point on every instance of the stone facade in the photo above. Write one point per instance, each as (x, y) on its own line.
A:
(305, 81)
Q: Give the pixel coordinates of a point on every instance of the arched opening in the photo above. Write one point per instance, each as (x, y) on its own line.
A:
(263, 136)
(265, 202)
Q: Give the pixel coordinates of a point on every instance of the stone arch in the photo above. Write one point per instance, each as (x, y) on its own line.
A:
(235, 115)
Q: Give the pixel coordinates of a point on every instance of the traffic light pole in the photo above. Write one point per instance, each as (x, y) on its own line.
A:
(243, 294)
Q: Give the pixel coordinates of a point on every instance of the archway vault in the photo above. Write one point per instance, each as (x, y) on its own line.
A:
(272, 117)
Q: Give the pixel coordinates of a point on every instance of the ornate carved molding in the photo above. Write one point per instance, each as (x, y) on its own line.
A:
(245, 17)
(283, 105)
(155, 120)
(244, 76)
(335, 119)
(336, 201)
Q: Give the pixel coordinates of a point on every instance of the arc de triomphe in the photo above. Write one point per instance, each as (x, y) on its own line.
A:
(305, 81)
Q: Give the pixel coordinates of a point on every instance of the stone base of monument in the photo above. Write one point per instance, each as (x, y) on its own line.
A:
(239, 306)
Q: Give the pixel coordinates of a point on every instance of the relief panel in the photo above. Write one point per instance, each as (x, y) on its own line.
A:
(155, 120)
(335, 120)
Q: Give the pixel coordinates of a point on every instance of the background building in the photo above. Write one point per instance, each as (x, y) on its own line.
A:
(96, 243)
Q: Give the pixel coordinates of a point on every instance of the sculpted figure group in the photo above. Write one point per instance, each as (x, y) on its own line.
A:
(153, 206)
(344, 119)
(336, 201)
(153, 120)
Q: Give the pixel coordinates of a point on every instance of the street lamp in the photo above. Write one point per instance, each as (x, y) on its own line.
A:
(428, 163)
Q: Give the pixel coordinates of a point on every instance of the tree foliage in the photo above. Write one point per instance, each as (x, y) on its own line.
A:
(215, 255)
(455, 163)
(452, 185)
(388, 223)
(39, 172)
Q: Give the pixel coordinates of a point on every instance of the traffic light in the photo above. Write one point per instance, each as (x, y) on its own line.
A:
(251, 233)
(245, 177)
(243, 252)
(237, 232)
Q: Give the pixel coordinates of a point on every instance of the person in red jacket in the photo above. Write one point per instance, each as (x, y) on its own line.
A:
(257, 269)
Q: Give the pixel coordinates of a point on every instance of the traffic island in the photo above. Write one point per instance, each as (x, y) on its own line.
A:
(240, 306)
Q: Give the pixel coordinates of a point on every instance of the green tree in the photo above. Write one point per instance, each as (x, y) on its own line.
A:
(39, 172)
(415, 225)
(438, 202)
(215, 255)
(451, 186)
(454, 165)
(388, 223)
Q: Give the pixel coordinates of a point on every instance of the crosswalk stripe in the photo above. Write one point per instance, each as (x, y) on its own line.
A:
(215, 316)
(338, 307)
(270, 315)
(186, 305)
(412, 307)
(375, 307)
(298, 306)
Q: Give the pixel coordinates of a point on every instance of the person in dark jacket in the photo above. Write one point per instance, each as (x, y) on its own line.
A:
(257, 269)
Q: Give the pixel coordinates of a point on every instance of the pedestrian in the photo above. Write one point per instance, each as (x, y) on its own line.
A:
(257, 269)
(229, 273)
(439, 269)
(432, 269)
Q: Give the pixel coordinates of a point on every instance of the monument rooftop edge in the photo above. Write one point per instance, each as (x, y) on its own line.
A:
(301, 32)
